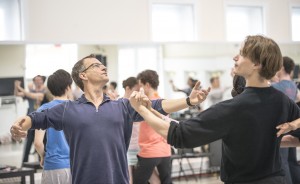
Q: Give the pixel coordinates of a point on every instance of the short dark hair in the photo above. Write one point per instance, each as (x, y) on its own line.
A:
(239, 84)
(58, 82)
(77, 69)
(194, 81)
(212, 79)
(114, 84)
(288, 64)
(130, 82)
(149, 76)
(41, 76)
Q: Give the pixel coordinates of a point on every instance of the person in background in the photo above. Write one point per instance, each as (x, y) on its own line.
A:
(56, 159)
(130, 85)
(77, 93)
(154, 150)
(289, 88)
(190, 82)
(246, 124)
(113, 89)
(35, 96)
(216, 93)
(97, 129)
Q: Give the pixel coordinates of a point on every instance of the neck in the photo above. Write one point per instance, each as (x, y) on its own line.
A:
(152, 93)
(285, 77)
(63, 97)
(126, 95)
(94, 94)
(257, 81)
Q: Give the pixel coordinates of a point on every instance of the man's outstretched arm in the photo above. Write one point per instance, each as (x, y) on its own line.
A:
(196, 97)
(19, 129)
(152, 117)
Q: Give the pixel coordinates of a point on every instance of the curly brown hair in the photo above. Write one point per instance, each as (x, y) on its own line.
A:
(149, 76)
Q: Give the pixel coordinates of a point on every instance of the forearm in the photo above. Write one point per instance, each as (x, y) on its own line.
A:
(289, 141)
(38, 142)
(174, 105)
(34, 96)
(26, 125)
(159, 125)
(295, 124)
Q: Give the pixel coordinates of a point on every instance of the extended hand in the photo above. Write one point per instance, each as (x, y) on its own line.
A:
(16, 130)
(285, 128)
(139, 99)
(198, 95)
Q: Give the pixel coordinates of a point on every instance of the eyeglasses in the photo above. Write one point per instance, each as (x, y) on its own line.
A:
(97, 65)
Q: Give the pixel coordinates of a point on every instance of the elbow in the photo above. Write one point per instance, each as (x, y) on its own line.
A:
(38, 145)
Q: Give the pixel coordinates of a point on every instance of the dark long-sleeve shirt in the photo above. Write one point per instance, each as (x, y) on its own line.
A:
(98, 137)
(247, 126)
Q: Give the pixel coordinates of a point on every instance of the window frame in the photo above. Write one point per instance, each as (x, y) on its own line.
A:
(293, 5)
(193, 3)
(263, 6)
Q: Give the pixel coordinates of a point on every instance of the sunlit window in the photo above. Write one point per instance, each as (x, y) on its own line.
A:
(242, 21)
(296, 23)
(173, 22)
(133, 60)
(10, 20)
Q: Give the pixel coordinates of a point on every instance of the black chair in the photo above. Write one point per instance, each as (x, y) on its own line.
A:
(187, 153)
(33, 165)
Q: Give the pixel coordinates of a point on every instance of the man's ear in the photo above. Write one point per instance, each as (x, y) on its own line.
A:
(82, 76)
(257, 66)
(148, 85)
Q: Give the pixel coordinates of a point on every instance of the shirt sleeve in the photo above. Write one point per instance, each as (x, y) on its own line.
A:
(295, 114)
(156, 104)
(210, 125)
(49, 118)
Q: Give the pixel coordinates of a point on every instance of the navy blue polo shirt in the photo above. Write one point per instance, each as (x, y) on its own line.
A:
(98, 137)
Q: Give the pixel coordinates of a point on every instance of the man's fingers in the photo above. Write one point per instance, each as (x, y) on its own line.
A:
(142, 91)
(197, 85)
(280, 132)
(21, 122)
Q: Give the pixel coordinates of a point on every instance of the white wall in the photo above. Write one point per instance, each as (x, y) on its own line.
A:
(87, 21)
(119, 21)
(12, 60)
(111, 53)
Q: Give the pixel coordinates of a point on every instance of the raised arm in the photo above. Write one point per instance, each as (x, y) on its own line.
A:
(196, 97)
(34, 96)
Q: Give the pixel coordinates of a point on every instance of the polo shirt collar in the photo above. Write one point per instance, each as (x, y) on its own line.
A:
(82, 99)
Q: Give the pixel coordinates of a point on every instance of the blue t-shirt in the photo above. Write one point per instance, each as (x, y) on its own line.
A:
(57, 154)
(287, 87)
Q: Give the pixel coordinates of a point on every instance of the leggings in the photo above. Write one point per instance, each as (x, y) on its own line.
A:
(146, 166)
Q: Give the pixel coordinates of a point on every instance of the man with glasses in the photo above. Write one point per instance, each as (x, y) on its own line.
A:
(97, 129)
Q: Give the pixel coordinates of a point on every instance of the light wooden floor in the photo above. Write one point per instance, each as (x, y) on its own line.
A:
(11, 154)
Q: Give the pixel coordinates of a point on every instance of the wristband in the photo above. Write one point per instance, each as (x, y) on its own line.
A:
(188, 102)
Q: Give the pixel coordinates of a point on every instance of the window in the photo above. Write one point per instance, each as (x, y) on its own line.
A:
(133, 60)
(173, 22)
(242, 21)
(296, 23)
(10, 20)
